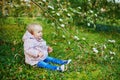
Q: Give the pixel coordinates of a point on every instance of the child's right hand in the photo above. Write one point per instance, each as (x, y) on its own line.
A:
(40, 55)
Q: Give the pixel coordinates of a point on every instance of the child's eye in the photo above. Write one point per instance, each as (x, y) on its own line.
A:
(39, 32)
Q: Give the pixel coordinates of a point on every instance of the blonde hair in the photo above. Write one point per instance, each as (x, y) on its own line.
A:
(31, 27)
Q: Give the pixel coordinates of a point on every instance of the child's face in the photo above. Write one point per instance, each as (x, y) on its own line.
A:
(37, 33)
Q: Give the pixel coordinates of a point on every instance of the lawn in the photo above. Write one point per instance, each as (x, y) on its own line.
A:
(95, 55)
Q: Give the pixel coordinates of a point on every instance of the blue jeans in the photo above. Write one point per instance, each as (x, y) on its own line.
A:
(45, 63)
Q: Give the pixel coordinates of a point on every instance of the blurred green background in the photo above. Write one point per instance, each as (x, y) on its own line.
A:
(87, 31)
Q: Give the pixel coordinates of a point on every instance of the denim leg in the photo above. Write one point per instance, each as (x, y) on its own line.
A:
(46, 65)
(54, 60)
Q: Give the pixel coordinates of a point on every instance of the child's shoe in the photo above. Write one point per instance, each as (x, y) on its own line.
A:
(67, 61)
(62, 68)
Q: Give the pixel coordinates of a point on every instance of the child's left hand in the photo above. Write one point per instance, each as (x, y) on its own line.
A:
(50, 49)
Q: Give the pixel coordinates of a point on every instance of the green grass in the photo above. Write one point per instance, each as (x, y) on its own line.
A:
(85, 65)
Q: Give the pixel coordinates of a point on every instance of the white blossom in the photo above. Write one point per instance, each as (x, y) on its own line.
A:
(111, 58)
(13, 6)
(95, 43)
(28, 5)
(68, 14)
(44, 0)
(91, 11)
(84, 13)
(88, 24)
(105, 57)
(79, 7)
(16, 5)
(58, 27)
(111, 41)
(69, 42)
(96, 15)
(58, 0)
(51, 7)
(52, 11)
(65, 10)
(92, 21)
(62, 25)
(63, 36)
(104, 46)
(95, 50)
(83, 38)
(112, 53)
(76, 38)
(60, 20)
(27, 0)
(102, 9)
(52, 24)
(116, 1)
(58, 14)
(55, 43)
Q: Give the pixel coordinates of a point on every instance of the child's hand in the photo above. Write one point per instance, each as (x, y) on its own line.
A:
(50, 49)
(40, 55)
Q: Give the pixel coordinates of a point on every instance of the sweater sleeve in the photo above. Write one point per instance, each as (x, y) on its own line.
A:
(29, 48)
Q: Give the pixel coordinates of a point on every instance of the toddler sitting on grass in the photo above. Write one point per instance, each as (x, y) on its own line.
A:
(36, 51)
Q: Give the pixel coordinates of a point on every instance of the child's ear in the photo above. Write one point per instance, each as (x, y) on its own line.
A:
(31, 32)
